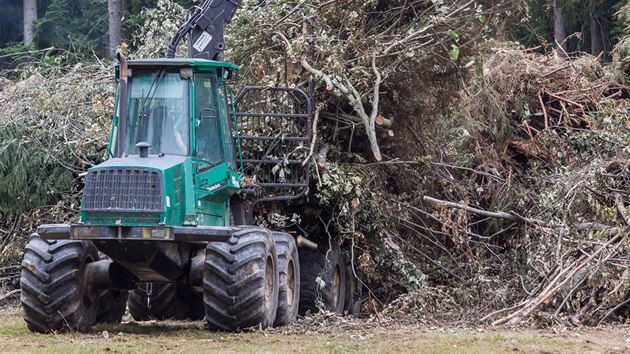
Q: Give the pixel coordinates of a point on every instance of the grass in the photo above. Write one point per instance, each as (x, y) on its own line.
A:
(357, 337)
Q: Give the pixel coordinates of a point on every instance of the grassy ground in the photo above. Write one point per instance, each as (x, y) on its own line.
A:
(307, 336)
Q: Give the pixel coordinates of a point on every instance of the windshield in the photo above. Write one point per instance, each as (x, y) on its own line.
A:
(157, 113)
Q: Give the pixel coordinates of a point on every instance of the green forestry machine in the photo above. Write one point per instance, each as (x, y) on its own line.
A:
(162, 222)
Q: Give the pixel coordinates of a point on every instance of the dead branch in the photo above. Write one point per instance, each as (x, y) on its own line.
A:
(383, 122)
(555, 285)
(559, 98)
(315, 120)
(9, 294)
(566, 275)
(481, 173)
(321, 157)
(542, 105)
(612, 310)
(612, 230)
(354, 98)
(500, 214)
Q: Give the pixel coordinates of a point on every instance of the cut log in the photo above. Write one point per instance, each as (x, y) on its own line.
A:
(383, 122)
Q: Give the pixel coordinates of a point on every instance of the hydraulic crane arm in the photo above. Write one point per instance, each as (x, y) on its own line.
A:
(204, 29)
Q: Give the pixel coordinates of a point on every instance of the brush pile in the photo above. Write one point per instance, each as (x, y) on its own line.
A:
(528, 208)
(499, 192)
(54, 125)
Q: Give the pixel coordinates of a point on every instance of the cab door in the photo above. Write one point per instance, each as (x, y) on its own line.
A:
(211, 151)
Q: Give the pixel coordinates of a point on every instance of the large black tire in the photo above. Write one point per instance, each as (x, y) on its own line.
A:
(111, 306)
(289, 279)
(196, 310)
(327, 265)
(111, 303)
(55, 293)
(354, 289)
(240, 281)
(157, 301)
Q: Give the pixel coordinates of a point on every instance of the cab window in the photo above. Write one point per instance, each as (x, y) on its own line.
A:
(157, 113)
(208, 144)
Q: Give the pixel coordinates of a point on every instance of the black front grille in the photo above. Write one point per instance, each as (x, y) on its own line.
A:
(123, 189)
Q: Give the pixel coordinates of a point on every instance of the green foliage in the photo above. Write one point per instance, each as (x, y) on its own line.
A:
(156, 29)
(12, 56)
(30, 174)
(347, 191)
(353, 199)
(140, 13)
(536, 29)
(11, 22)
(623, 19)
(81, 25)
(53, 128)
(621, 62)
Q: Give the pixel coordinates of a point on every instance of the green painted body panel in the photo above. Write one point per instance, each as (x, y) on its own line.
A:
(182, 62)
(194, 191)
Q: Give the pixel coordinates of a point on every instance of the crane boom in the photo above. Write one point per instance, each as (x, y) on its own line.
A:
(205, 30)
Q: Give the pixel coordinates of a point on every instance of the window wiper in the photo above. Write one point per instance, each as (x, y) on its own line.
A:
(141, 119)
(154, 86)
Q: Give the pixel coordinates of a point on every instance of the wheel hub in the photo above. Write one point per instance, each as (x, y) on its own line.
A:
(290, 283)
(336, 285)
(268, 283)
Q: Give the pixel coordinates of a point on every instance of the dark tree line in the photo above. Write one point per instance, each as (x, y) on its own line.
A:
(91, 25)
(95, 25)
(573, 25)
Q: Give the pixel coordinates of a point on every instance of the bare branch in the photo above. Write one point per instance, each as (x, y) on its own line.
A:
(354, 98)
(315, 120)
(9, 294)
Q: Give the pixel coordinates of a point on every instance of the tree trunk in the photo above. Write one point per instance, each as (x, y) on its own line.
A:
(30, 17)
(605, 35)
(114, 8)
(559, 32)
(597, 44)
(501, 30)
(600, 30)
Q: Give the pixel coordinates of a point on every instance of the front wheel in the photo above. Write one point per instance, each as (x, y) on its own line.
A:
(240, 281)
(111, 306)
(56, 295)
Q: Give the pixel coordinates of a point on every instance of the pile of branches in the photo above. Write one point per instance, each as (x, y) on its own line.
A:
(54, 126)
(354, 49)
(505, 192)
(528, 207)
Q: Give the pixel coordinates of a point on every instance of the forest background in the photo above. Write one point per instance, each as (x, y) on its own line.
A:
(475, 154)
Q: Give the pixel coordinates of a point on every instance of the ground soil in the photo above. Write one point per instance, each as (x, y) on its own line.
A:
(314, 334)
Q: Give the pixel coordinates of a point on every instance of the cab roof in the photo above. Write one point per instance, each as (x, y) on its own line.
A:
(180, 62)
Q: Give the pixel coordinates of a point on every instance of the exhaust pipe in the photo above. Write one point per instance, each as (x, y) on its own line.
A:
(122, 103)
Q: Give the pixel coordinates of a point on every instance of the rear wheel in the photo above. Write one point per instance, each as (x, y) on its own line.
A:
(323, 280)
(112, 303)
(195, 310)
(111, 306)
(240, 281)
(354, 289)
(289, 279)
(56, 294)
(158, 301)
